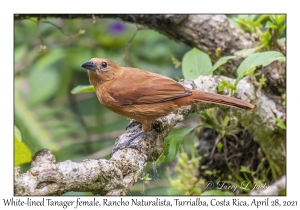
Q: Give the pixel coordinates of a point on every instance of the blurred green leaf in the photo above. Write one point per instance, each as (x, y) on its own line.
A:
(244, 169)
(172, 143)
(258, 59)
(195, 63)
(218, 192)
(220, 62)
(246, 52)
(21, 152)
(208, 172)
(43, 84)
(250, 22)
(39, 137)
(278, 26)
(269, 24)
(280, 19)
(219, 146)
(83, 89)
(18, 135)
(280, 124)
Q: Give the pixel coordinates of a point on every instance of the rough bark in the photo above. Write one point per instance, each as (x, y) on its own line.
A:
(117, 175)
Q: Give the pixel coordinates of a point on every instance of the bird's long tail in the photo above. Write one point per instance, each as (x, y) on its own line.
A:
(220, 99)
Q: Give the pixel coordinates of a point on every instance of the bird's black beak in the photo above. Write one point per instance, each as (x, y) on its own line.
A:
(89, 66)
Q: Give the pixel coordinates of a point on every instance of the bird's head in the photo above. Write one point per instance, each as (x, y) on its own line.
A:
(101, 70)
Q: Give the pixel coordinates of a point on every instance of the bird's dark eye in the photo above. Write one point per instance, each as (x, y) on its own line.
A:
(104, 64)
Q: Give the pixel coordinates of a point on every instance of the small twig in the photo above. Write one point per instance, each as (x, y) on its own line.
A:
(40, 35)
(128, 45)
(215, 145)
(225, 148)
(56, 26)
(279, 47)
(275, 41)
(60, 28)
(125, 56)
(234, 155)
(259, 165)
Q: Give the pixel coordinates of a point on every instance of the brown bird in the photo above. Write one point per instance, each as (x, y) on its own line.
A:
(145, 96)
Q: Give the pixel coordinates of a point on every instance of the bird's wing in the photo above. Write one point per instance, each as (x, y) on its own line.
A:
(136, 86)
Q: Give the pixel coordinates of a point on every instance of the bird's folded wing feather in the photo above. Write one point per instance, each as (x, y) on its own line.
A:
(145, 88)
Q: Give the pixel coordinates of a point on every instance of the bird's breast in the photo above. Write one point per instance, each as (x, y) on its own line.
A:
(104, 97)
(109, 102)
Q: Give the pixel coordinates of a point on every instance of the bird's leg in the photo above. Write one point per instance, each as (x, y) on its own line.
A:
(132, 123)
(145, 128)
(127, 143)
